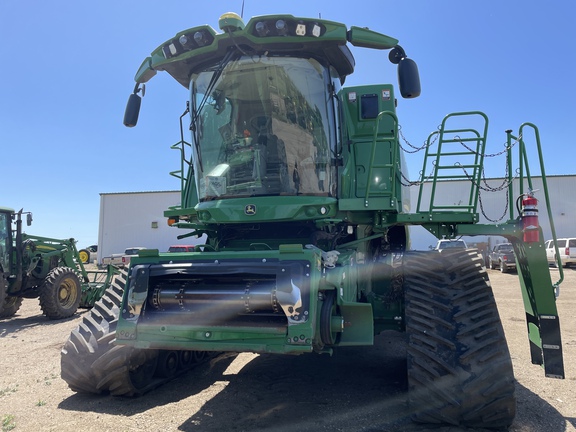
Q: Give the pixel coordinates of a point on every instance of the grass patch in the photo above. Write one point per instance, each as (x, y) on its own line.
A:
(8, 422)
(8, 390)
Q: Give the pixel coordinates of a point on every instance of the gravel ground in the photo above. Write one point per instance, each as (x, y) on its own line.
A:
(358, 389)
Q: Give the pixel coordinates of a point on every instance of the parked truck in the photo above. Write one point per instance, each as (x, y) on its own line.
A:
(121, 259)
(299, 185)
(45, 268)
(502, 256)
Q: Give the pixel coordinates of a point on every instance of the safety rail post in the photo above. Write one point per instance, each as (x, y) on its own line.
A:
(511, 203)
(179, 174)
(524, 158)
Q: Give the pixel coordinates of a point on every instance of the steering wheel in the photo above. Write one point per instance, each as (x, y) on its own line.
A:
(258, 122)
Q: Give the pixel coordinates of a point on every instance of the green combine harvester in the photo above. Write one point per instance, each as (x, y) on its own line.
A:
(300, 187)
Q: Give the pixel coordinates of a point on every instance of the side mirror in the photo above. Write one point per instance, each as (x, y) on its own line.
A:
(132, 110)
(29, 219)
(408, 78)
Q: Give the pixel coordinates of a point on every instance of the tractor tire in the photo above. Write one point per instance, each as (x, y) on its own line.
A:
(459, 366)
(60, 293)
(84, 255)
(9, 305)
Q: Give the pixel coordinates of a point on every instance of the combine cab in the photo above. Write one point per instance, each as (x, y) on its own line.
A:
(299, 185)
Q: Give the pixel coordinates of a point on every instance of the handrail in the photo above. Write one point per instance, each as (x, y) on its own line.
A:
(394, 155)
(473, 136)
(523, 163)
(180, 174)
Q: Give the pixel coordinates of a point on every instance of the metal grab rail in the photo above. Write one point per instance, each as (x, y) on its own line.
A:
(478, 156)
(524, 167)
(393, 156)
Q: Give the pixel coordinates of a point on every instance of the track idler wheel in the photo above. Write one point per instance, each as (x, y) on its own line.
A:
(168, 364)
(142, 368)
(186, 359)
(199, 356)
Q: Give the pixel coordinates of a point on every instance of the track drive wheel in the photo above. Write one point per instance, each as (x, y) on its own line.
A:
(459, 366)
(126, 371)
(9, 305)
(92, 363)
(84, 255)
(60, 293)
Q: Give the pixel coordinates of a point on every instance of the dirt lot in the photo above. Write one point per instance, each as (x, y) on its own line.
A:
(359, 389)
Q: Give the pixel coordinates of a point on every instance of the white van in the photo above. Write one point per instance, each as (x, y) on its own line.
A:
(566, 249)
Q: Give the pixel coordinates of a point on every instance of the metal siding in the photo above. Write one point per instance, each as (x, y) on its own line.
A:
(561, 189)
(126, 221)
(125, 218)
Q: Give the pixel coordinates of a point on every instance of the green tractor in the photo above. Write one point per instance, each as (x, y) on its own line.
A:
(45, 268)
(300, 187)
(86, 254)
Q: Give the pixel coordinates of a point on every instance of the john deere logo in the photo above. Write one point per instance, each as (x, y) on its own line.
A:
(250, 209)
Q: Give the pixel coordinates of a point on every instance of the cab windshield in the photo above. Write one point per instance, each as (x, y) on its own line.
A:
(263, 126)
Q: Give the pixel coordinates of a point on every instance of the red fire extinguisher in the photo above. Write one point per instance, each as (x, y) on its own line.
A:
(530, 218)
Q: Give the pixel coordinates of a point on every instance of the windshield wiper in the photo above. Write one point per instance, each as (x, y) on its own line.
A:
(196, 111)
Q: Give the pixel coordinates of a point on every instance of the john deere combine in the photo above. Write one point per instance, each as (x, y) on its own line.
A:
(300, 187)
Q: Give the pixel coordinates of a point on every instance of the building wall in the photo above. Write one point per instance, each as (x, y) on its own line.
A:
(135, 219)
(493, 205)
(128, 219)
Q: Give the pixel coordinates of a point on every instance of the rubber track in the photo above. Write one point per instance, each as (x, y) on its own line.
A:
(459, 366)
(92, 363)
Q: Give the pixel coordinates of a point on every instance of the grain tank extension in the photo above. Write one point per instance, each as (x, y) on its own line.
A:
(299, 185)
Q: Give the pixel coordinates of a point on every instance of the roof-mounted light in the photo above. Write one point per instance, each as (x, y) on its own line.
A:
(190, 40)
(316, 30)
(262, 29)
(285, 26)
(170, 50)
(183, 40)
(281, 27)
(201, 38)
(300, 29)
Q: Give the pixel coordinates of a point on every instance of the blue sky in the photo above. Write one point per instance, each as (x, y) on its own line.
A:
(68, 68)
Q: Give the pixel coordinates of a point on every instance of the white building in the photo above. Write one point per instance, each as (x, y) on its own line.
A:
(137, 218)
(492, 206)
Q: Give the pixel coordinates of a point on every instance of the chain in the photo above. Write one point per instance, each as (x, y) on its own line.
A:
(418, 182)
(506, 147)
(416, 149)
(486, 188)
(484, 213)
(503, 186)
